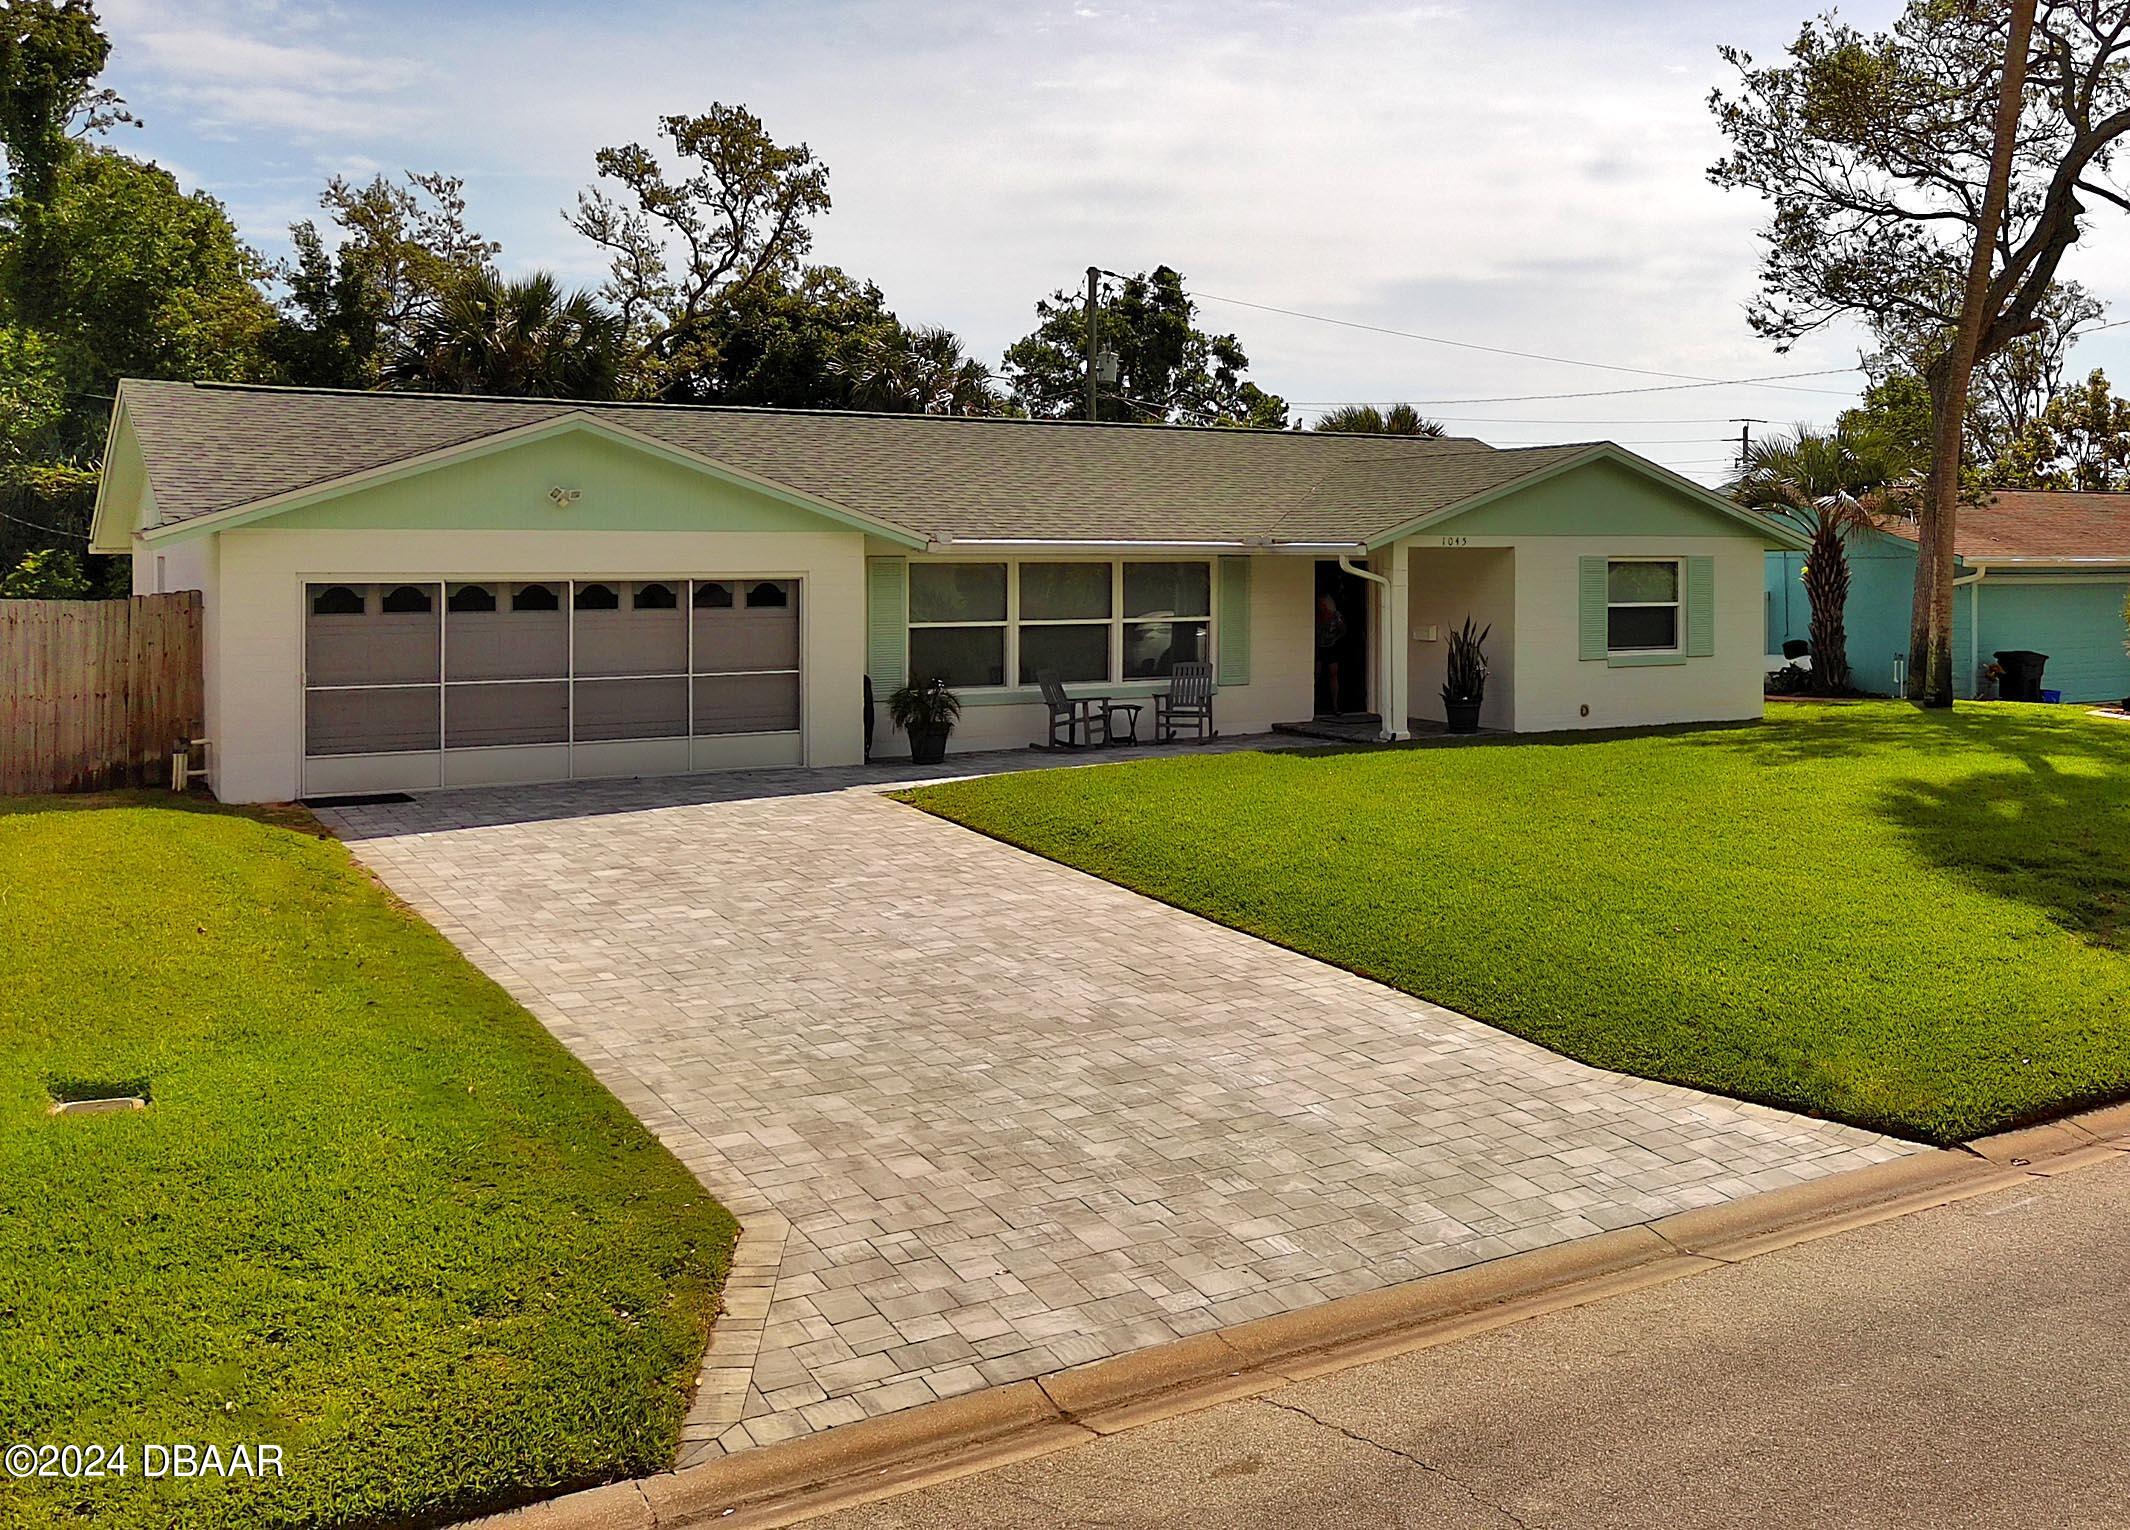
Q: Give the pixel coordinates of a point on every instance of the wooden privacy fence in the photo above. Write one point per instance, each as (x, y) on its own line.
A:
(96, 693)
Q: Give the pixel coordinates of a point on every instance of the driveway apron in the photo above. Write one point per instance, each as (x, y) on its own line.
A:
(983, 1116)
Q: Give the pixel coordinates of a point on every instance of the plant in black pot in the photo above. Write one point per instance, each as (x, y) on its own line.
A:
(927, 711)
(1464, 685)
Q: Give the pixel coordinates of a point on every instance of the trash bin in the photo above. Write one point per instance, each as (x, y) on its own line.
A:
(2022, 674)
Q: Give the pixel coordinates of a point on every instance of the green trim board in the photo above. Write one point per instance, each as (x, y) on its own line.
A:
(1700, 607)
(501, 482)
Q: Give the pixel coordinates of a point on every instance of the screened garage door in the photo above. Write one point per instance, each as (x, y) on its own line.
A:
(450, 683)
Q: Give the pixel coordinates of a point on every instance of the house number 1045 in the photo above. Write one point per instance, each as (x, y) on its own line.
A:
(1455, 541)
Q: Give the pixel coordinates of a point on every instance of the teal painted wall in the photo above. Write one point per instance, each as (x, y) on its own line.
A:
(1881, 586)
(2078, 625)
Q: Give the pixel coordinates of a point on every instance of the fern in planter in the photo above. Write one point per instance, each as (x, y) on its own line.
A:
(927, 712)
(1464, 682)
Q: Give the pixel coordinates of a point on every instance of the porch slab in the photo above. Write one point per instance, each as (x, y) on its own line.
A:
(984, 1117)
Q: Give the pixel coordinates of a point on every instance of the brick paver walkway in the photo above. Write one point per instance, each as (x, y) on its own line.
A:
(983, 1116)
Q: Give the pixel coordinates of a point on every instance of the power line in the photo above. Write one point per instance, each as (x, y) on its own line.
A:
(79, 536)
(1533, 398)
(1498, 350)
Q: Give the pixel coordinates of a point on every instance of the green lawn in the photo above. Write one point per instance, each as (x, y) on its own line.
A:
(1912, 921)
(374, 1213)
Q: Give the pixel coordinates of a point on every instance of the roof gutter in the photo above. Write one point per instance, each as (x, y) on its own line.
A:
(1244, 544)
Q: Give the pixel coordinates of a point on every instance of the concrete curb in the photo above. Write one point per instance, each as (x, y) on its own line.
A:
(798, 1479)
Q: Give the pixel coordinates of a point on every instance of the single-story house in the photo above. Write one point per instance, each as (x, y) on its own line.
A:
(405, 591)
(2036, 570)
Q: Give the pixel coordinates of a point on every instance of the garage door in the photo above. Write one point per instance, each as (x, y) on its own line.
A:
(418, 684)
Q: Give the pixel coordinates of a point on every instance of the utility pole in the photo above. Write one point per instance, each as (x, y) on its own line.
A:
(1094, 277)
(1745, 438)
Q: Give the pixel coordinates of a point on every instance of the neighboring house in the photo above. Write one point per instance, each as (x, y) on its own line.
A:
(406, 591)
(2037, 570)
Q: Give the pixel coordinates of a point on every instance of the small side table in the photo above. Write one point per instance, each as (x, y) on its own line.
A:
(1129, 711)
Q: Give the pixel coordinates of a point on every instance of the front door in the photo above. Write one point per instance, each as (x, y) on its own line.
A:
(1341, 641)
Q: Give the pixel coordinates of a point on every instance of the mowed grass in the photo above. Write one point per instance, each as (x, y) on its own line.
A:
(1911, 921)
(374, 1213)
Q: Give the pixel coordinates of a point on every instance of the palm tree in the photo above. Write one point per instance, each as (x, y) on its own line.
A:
(918, 371)
(1829, 485)
(524, 337)
(1367, 420)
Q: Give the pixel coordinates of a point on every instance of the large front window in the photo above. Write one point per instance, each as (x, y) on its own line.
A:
(1642, 605)
(1086, 622)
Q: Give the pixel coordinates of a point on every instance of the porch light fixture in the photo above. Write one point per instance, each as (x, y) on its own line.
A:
(564, 498)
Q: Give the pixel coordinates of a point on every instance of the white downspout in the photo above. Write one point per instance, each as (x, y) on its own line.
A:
(1974, 623)
(1390, 627)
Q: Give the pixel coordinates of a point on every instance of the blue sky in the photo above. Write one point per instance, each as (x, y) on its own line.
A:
(1522, 173)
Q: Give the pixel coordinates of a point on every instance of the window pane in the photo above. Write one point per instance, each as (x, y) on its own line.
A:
(479, 715)
(370, 722)
(337, 600)
(1168, 589)
(1641, 627)
(534, 597)
(630, 638)
(957, 592)
(1061, 591)
(377, 648)
(597, 597)
(1642, 581)
(631, 709)
(465, 599)
(406, 600)
(1152, 649)
(709, 596)
(961, 656)
(769, 593)
(1075, 653)
(747, 704)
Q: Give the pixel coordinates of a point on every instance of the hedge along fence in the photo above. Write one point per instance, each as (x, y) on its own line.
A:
(96, 693)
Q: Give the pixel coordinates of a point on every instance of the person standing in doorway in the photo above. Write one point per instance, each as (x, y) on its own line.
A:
(1330, 638)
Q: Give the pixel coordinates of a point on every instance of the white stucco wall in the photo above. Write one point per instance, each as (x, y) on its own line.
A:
(1554, 686)
(1282, 671)
(1446, 586)
(254, 629)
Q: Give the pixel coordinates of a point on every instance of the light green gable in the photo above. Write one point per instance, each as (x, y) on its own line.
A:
(621, 487)
(125, 500)
(1602, 498)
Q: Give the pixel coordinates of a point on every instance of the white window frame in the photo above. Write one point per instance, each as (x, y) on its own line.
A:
(1116, 621)
(1676, 605)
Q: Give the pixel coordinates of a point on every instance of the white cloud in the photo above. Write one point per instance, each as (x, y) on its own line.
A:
(1527, 175)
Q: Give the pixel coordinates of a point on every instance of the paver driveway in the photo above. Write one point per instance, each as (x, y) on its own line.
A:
(983, 1116)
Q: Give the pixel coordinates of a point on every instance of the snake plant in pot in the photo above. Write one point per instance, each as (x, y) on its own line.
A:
(1464, 685)
(927, 711)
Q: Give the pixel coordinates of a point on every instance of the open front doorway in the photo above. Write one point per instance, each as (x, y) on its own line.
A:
(1341, 642)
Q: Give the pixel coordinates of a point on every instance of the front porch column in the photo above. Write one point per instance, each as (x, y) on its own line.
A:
(1393, 659)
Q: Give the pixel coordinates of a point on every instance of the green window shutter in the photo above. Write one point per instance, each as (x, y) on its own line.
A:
(1590, 613)
(887, 622)
(1700, 607)
(1234, 621)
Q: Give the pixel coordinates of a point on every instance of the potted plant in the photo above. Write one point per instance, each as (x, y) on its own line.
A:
(1465, 682)
(926, 711)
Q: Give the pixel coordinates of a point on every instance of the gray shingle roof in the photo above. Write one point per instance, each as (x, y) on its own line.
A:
(213, 447)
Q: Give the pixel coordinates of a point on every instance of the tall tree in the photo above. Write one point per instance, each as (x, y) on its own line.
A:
(1168, 368)
(683, 247)
(351, 308)
(781, 343)
(918, 371)
(1929, 179)
(1829, 485)
(526, 338)
(1368, 420)
(2081, 440)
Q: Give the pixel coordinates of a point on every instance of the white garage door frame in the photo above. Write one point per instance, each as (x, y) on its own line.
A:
(571, 759)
